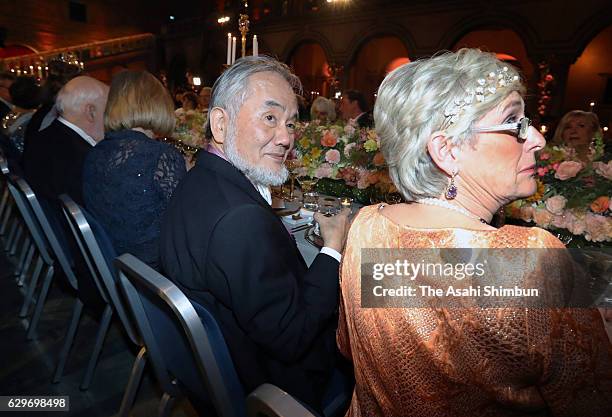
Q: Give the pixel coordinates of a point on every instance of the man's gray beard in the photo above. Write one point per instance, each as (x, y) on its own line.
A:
(256, 174)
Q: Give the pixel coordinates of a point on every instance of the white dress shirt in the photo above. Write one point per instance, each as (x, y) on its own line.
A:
(267, 195)
(78, 130)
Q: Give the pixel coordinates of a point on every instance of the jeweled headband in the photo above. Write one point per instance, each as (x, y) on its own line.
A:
(486, 87)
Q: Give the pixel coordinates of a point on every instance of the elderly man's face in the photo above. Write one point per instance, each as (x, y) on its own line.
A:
(264, 130)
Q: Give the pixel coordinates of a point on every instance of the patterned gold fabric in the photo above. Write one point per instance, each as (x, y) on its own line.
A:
(468, 362)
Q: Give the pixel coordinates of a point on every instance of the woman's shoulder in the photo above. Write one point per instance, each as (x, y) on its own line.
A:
(526, 237)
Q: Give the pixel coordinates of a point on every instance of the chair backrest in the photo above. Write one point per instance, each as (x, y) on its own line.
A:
(30, 220)
(181, 344)
(99, 253)
(50, 234)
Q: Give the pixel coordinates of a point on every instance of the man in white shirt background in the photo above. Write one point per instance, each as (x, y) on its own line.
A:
(53, 162)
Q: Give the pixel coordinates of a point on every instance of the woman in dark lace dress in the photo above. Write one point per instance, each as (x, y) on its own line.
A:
(129, 177)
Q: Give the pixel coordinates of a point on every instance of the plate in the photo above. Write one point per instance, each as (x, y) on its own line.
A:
(312, 238)
(291, 207)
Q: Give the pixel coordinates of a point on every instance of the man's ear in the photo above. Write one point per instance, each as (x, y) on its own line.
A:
(443, 152)
(219, 122)
(90, 113)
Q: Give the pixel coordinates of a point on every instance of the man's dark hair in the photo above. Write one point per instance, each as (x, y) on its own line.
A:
(25, 92)
(354, 95)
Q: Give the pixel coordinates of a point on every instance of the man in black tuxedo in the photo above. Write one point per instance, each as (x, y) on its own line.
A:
(53, 160)
(222, 243)
(6, 105)
(354, 108)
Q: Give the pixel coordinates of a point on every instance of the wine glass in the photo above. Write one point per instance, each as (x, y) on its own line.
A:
(292, 166)
(309, 195)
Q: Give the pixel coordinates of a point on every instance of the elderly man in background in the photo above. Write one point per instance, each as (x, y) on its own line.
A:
(224, 246)
(53, 161)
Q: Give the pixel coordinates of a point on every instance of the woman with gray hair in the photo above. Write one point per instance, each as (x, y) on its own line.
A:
(454, 134)
(323, 109)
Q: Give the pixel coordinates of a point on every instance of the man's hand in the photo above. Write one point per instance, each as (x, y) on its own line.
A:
(334, 229)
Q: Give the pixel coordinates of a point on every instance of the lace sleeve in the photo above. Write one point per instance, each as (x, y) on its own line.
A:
(169, 171)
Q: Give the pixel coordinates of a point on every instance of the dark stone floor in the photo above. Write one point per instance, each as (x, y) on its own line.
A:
(26, 367)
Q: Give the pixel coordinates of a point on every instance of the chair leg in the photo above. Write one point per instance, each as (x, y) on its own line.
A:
(5, 219)
(11, 235)
(42, 297)
(133, 383)
(16, 240)
(31, 287)
(72, 328)
(165, 406)
(25, 248)
(26, 265)
(102, 331)
(5, 201)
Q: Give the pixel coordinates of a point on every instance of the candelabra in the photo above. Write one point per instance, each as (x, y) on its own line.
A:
(243, 27)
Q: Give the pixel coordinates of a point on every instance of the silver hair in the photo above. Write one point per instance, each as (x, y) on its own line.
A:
(323, 104)
(411, 104)
(72, 100)
(230, 90)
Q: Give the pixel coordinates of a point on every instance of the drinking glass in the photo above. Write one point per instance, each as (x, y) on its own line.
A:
(292, 166)
(309, 195)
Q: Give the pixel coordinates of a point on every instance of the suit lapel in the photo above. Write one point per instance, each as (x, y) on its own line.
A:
(230, 173)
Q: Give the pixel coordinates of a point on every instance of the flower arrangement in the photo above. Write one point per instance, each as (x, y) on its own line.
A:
(189, 128)
(573, 194)
(342, 152)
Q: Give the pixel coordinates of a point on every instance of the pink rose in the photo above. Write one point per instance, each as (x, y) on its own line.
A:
(560, 221)
(348, 148)
(324, 171)
(605, 170)
(332, 156)
(366, 178)
(567, 170)
(544, 156)
(556, 204)
(598, 228)
(542, 217)
(555, 166)
(349, 129)
(542, 171)
(574, 224)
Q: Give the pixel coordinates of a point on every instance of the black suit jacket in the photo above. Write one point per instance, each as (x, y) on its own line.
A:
(365, 120)
(227, 250)
(53, 162)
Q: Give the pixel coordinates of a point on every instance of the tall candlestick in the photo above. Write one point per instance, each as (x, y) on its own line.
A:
(255, 46)
(229, 49)
(233, 49)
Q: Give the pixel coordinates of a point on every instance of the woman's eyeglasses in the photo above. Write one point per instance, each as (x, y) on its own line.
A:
(520, 129)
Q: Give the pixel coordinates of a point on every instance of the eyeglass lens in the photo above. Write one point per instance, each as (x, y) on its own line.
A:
(523, 128)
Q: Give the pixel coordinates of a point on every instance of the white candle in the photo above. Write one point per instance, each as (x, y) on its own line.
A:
(255, 46)
(233, 49)
(229, 49)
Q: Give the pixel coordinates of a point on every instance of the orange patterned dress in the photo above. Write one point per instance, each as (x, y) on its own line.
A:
(468, 362)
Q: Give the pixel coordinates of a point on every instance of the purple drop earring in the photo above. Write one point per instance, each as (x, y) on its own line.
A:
(451, 190)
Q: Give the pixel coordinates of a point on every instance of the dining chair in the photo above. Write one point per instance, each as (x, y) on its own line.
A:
(98, 252)
(188, 352)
